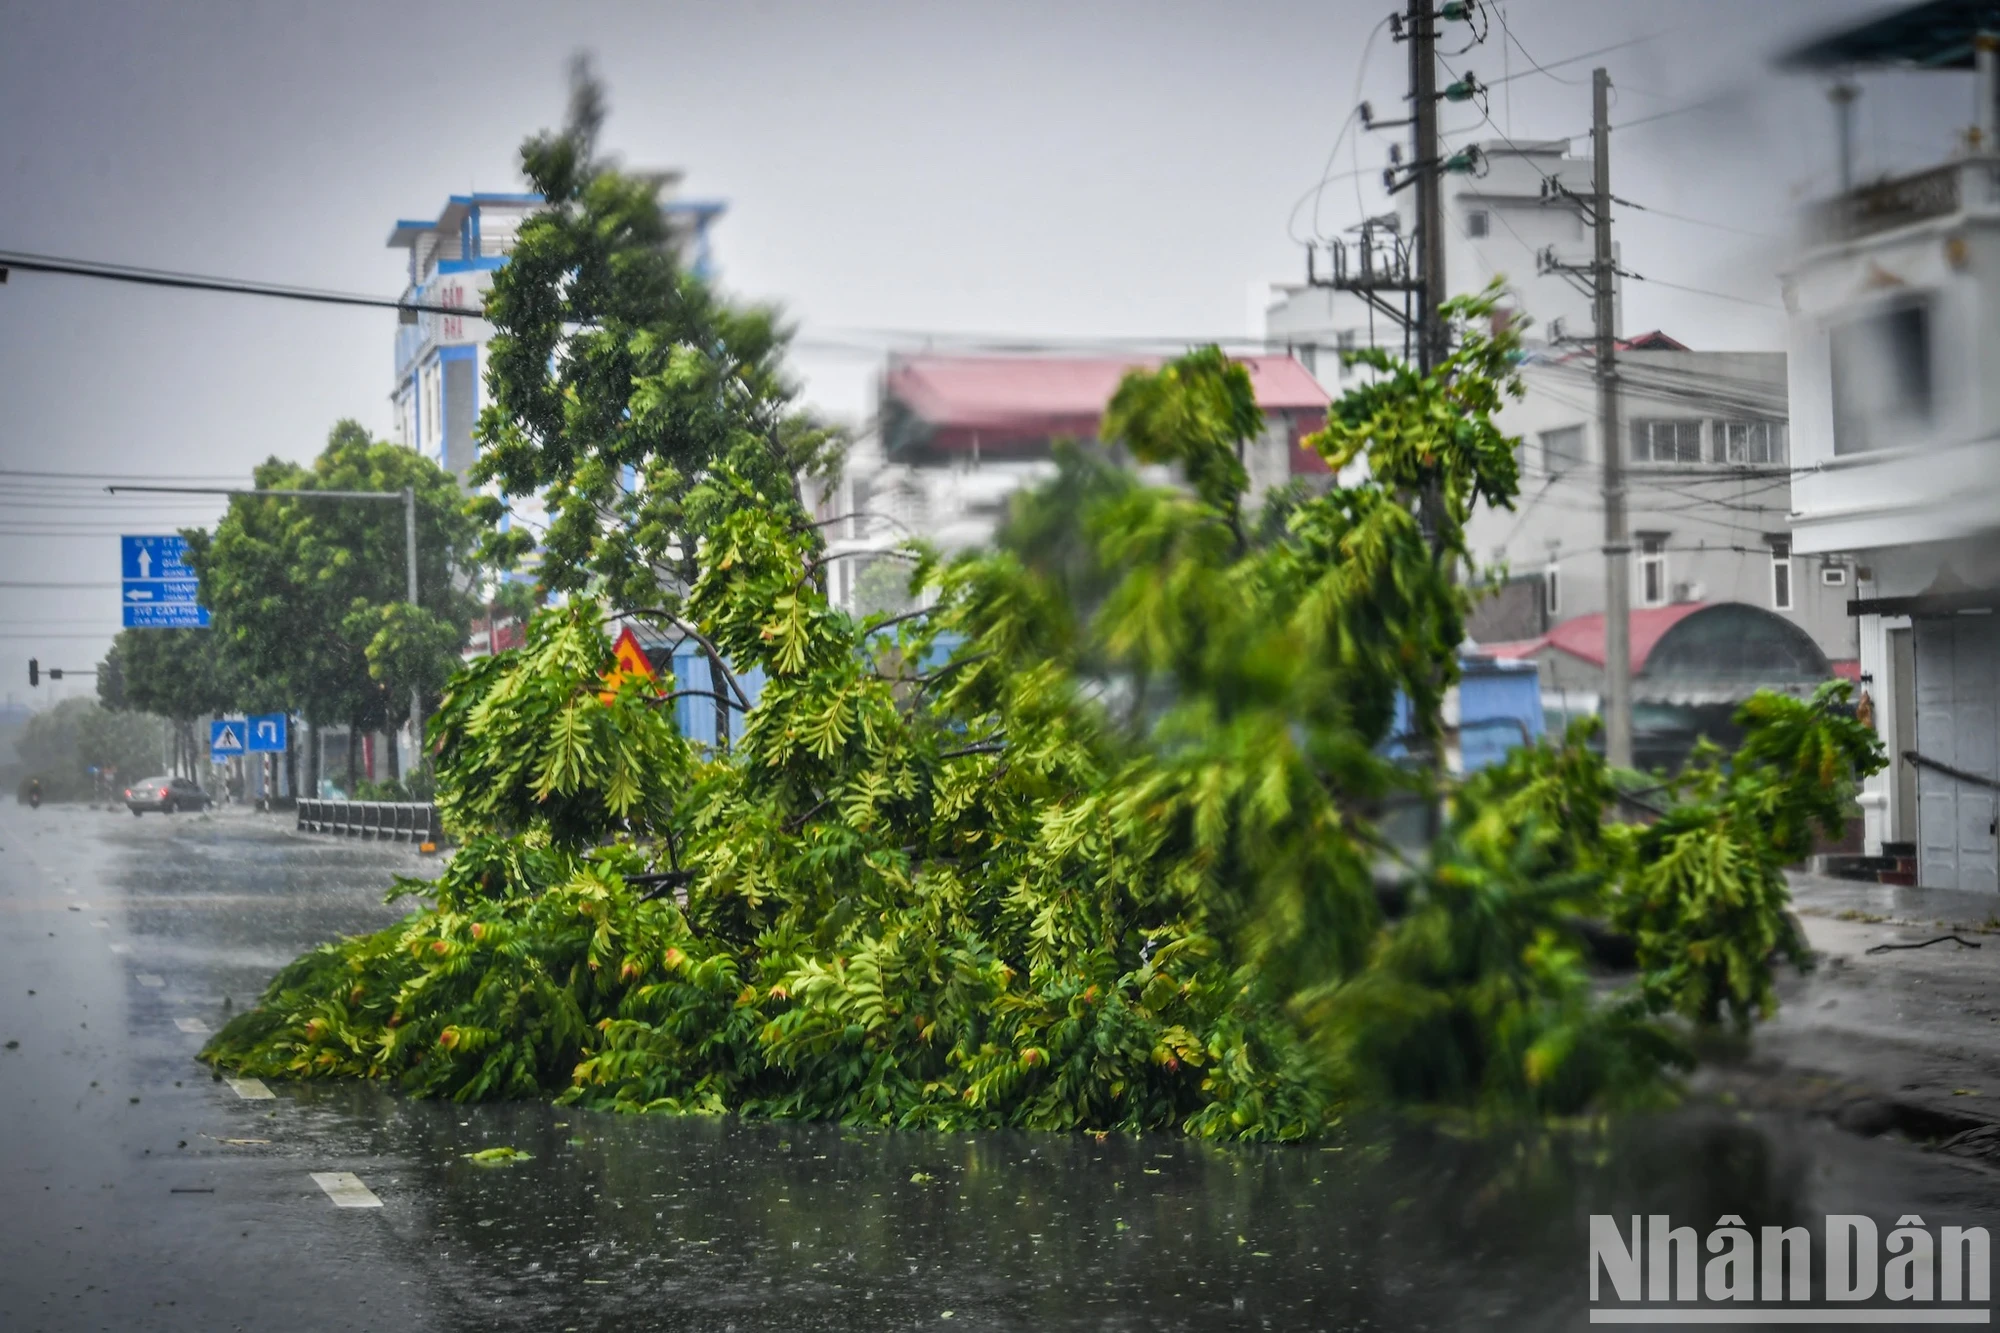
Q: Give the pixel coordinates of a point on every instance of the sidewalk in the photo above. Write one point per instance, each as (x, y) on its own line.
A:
(1906, 1039)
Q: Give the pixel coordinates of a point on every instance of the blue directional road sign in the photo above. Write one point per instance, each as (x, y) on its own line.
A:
(267, 733)
(228, 739)
(160, 590)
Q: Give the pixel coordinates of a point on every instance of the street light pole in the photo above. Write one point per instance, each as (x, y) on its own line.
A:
(408, 496)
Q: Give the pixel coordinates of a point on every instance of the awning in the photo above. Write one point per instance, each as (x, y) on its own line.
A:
(1967, 602)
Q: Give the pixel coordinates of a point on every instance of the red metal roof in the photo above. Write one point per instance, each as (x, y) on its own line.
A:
(1583, 636)
(1847, 668)
(1002, 398)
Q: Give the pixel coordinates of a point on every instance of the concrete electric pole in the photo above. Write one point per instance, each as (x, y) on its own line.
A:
(1617, 543)
(410, 559)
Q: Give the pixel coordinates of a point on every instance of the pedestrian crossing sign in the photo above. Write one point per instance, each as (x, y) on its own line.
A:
(630, 663)
(228, 739)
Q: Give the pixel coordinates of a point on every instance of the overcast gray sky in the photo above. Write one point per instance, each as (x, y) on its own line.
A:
(1059, 169)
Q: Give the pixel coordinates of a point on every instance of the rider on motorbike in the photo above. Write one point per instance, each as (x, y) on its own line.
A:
(35, 792)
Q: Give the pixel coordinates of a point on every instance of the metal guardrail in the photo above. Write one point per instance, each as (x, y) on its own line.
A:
(398, 821)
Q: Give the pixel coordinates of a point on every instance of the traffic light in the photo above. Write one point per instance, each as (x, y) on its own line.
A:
(34, 672)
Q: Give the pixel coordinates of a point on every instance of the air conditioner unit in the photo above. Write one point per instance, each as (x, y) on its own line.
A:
(1688, 592)
(1833, 576)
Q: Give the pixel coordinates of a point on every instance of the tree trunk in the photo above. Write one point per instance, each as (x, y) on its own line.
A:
(393, 754)
(719, 684)
(353, 758)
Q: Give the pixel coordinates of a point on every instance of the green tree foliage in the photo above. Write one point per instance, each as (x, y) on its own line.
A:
(956, 892)
(308, 595)
(171, 673)
(1095, 841)
(176, 674)
(623, 386)
(60, 745)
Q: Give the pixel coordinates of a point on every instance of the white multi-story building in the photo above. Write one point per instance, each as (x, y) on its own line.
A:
(441, 359)
(1703, 440)
(1706, 452)
(1894, 308)
(1503, 223)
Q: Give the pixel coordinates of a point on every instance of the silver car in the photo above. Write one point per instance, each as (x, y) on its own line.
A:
(165, 795)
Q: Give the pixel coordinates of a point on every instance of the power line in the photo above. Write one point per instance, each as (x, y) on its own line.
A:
(1703, 291)
(1699, 222)
(201, 282)
(1566, 60)
(119, 476)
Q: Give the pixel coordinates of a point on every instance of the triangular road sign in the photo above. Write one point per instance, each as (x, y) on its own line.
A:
(632, 664)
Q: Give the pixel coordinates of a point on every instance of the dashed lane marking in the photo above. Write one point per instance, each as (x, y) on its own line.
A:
(251, 1089)
(153, 979)
(101, 924)
(121, 948)
(345, 1189)
(192, 1026)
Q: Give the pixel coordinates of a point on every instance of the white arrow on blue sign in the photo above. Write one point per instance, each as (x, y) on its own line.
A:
(267, 733)
(160, 590)
(227, 738)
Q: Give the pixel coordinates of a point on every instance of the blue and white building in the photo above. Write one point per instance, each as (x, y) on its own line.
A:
(441, 359)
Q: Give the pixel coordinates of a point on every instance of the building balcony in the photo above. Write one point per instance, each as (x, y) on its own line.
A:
(1894, 313)
(1895, 202)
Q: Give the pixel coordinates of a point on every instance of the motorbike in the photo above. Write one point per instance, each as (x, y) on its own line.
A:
(35, 796)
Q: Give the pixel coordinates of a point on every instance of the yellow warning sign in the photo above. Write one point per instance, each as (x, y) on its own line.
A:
(632, 664)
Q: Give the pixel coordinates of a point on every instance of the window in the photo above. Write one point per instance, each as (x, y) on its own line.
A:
(1833, 576)
(1552, 600)
(1781, 574)
(1667, 440)
(1652, 569)
(1881, 368)
(1751, 443)
(1562, 449)
(1344, 341)
(1476, 223)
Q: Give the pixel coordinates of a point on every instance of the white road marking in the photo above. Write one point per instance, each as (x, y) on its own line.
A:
(101, 924)
(79, 906)
(251, 1089)
(345, 1189)
(152, 979)
(121, 948)
(192, 1026)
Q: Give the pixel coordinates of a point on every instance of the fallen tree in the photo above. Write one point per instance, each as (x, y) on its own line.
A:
(1069, 849)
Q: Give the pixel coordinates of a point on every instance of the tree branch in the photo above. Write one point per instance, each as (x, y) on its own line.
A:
(796, 822)
(897, 620)
(714, 653)
(983, 747)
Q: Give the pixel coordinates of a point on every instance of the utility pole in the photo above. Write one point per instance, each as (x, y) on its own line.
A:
(410, 559)
(1617, 543)
(1432, 336)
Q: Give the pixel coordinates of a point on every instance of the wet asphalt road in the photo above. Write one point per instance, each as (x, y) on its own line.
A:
(141, 1194)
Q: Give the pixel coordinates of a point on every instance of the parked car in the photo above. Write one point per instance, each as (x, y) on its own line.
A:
(165, 795)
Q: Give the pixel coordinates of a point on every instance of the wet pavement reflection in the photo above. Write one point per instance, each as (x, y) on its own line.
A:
(143, 1194)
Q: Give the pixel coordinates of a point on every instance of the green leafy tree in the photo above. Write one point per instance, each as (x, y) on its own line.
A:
(182, 675)
(308, 596)
(60, 745)
(945, 880)
(623, 387)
